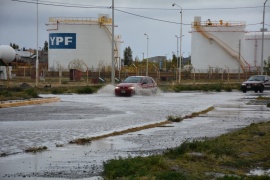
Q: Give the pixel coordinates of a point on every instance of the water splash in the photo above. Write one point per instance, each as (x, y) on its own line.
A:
(108, 89)
(148, 92)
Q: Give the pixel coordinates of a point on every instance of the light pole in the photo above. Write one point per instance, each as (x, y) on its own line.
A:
(37, 62)
(177, 51)
(147, 54)
(166, 62)
(181, 12)
(112, 74)
(263, 37)
(183, 57)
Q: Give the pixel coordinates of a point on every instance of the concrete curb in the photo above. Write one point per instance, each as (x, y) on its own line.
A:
(7, 104)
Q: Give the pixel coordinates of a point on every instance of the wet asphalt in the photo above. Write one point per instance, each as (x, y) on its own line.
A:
(77, 116)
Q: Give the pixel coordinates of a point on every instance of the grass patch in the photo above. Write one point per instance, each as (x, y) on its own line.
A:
(263, 98)
(231, 155)
(85, 90)
(218, 87)
(36, 149)
(71, 89)
(195, 114)
(134, 168)
(83, 141)
(31, 92)
(17, 93)
(175, 118)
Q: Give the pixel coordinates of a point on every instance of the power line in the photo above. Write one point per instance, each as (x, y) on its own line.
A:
(193, 9)
(51, 3)
(148, 17)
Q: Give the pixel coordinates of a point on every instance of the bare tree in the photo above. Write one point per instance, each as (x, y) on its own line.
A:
(77, 64)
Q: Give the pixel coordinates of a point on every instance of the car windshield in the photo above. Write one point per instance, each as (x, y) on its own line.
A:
(133, 80)
(256, 78)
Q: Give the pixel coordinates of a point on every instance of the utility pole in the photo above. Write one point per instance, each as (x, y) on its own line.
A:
(113, 67)
(263, 37)
(37, 62)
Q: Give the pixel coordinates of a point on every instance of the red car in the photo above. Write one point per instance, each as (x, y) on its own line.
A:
(135, 85)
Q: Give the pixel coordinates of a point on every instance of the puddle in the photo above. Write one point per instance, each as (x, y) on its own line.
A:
(259, 172)
(77, 116)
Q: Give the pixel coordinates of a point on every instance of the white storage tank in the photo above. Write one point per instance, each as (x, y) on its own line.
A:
(216, 44)
(84, 39)
(7, 53)
(253, 48)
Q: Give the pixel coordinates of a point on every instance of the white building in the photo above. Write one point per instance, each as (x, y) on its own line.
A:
(225, 45)
(85, 39)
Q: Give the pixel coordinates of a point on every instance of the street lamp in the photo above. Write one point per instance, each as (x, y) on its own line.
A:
(37, 62)
(177, 50)
(113, 66)
(181, 12)
(147, 54)
(166, 62)
(263, 37)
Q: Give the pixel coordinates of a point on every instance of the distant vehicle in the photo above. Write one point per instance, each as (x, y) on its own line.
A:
(256, 83)
(134, 85)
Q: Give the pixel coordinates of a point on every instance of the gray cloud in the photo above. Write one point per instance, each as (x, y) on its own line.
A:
(18, 20)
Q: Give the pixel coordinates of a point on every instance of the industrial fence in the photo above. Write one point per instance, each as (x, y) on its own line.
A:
(104, 75)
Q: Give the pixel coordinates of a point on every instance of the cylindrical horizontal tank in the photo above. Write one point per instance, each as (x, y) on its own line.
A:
(7, 53)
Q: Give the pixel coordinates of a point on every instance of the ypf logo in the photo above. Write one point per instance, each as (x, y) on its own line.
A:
(62, 40)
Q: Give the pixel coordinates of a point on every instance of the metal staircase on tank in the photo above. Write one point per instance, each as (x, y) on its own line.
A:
(104, 22)
(226, 47)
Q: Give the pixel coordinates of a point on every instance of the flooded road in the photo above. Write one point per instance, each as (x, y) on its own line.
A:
(77, 116)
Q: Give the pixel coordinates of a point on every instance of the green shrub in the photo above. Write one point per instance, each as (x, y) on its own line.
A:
(85, 90)
(174, 119)
(133, 167)
(218, 87)
(172, 175)
(31, 92)
(228, 88)
(57, 91)
(214, 146)
(17, 89)
(5, 93)
(36, 149)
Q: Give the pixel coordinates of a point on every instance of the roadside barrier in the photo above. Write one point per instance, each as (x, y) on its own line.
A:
(15, 103)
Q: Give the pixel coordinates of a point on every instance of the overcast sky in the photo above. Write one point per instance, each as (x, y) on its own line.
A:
(157, 18)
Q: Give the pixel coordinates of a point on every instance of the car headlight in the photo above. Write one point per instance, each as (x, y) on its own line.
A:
(243, 84)
(117, 87)
(131, 87)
